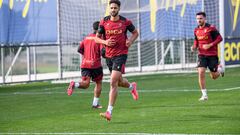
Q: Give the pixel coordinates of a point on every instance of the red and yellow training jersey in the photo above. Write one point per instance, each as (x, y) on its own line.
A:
(116, 30)
(91, 52)
(206, 35)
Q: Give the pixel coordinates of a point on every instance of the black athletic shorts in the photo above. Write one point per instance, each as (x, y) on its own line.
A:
(117, 63)
(95, 74)
(210, 62)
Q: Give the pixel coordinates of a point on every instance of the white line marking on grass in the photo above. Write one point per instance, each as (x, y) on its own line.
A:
(234, 88)
(44, 92)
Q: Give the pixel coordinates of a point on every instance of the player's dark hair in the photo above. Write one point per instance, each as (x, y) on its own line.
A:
(115, 1)
(95, 25)
(201, 13)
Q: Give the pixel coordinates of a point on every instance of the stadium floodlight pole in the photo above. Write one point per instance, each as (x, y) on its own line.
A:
(3, 65)
(221, 30)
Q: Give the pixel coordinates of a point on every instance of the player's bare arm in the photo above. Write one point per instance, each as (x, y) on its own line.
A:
(193, 48)
(134, 36)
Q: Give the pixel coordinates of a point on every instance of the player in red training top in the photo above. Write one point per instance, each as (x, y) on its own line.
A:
(91, 66)
(206, 41)
(114, 29)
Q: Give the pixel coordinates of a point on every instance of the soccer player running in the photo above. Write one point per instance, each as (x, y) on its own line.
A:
(91, 66)
(206, 41)
(114, 29)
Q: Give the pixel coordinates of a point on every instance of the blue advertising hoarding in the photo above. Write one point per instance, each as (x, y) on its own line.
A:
(168, 20)
(232, 18)
(232, 32)
(232, 51)
(28, 22)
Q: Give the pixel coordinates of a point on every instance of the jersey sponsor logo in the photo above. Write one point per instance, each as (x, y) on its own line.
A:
(120, 24)
(202, 37)
(114, 32)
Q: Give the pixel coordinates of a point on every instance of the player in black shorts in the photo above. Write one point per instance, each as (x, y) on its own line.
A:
(117, 63)
(210, 62)
(114, 30)
(206, 41)
(91, 67)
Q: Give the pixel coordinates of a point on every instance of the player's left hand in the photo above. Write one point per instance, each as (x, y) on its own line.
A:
(128, 43)
(207, 46)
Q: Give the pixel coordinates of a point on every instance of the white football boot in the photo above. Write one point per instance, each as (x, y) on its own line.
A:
(203, 98)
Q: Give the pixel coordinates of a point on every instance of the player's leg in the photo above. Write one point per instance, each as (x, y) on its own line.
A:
(107, 115)
(123, 82)
(97, 75)
(97, 93)
(83, 84)
(202, 64)
(116, 67)
(202, 83)
(214, 75)
(215, 69)
(115, 75)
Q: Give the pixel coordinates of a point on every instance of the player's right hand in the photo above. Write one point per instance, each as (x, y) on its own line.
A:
(192, 48)
(110, 42)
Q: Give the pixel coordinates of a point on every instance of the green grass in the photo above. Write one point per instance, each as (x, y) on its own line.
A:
(45, 108)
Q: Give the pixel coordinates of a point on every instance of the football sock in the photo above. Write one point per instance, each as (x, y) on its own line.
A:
(77, 85)
(204, 92)
(109, 109)
(220, 69)
(95, 101)
(130, 86)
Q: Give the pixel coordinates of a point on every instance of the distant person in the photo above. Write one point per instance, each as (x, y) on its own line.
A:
(91, 67)
(206, 42)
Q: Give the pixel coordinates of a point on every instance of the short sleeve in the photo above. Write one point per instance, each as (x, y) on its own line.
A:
(214, 32)
(130, 26)
(101, 29)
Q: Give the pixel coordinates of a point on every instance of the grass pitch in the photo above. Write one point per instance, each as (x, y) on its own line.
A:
(168, 104)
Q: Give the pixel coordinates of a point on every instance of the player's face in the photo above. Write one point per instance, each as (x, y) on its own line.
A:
(201, 20)
(114, 9)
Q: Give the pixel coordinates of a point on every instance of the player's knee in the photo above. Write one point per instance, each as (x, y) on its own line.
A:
(85, 85)
(202, 74)
(113, 83)
(214, 77)
(120, 83)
